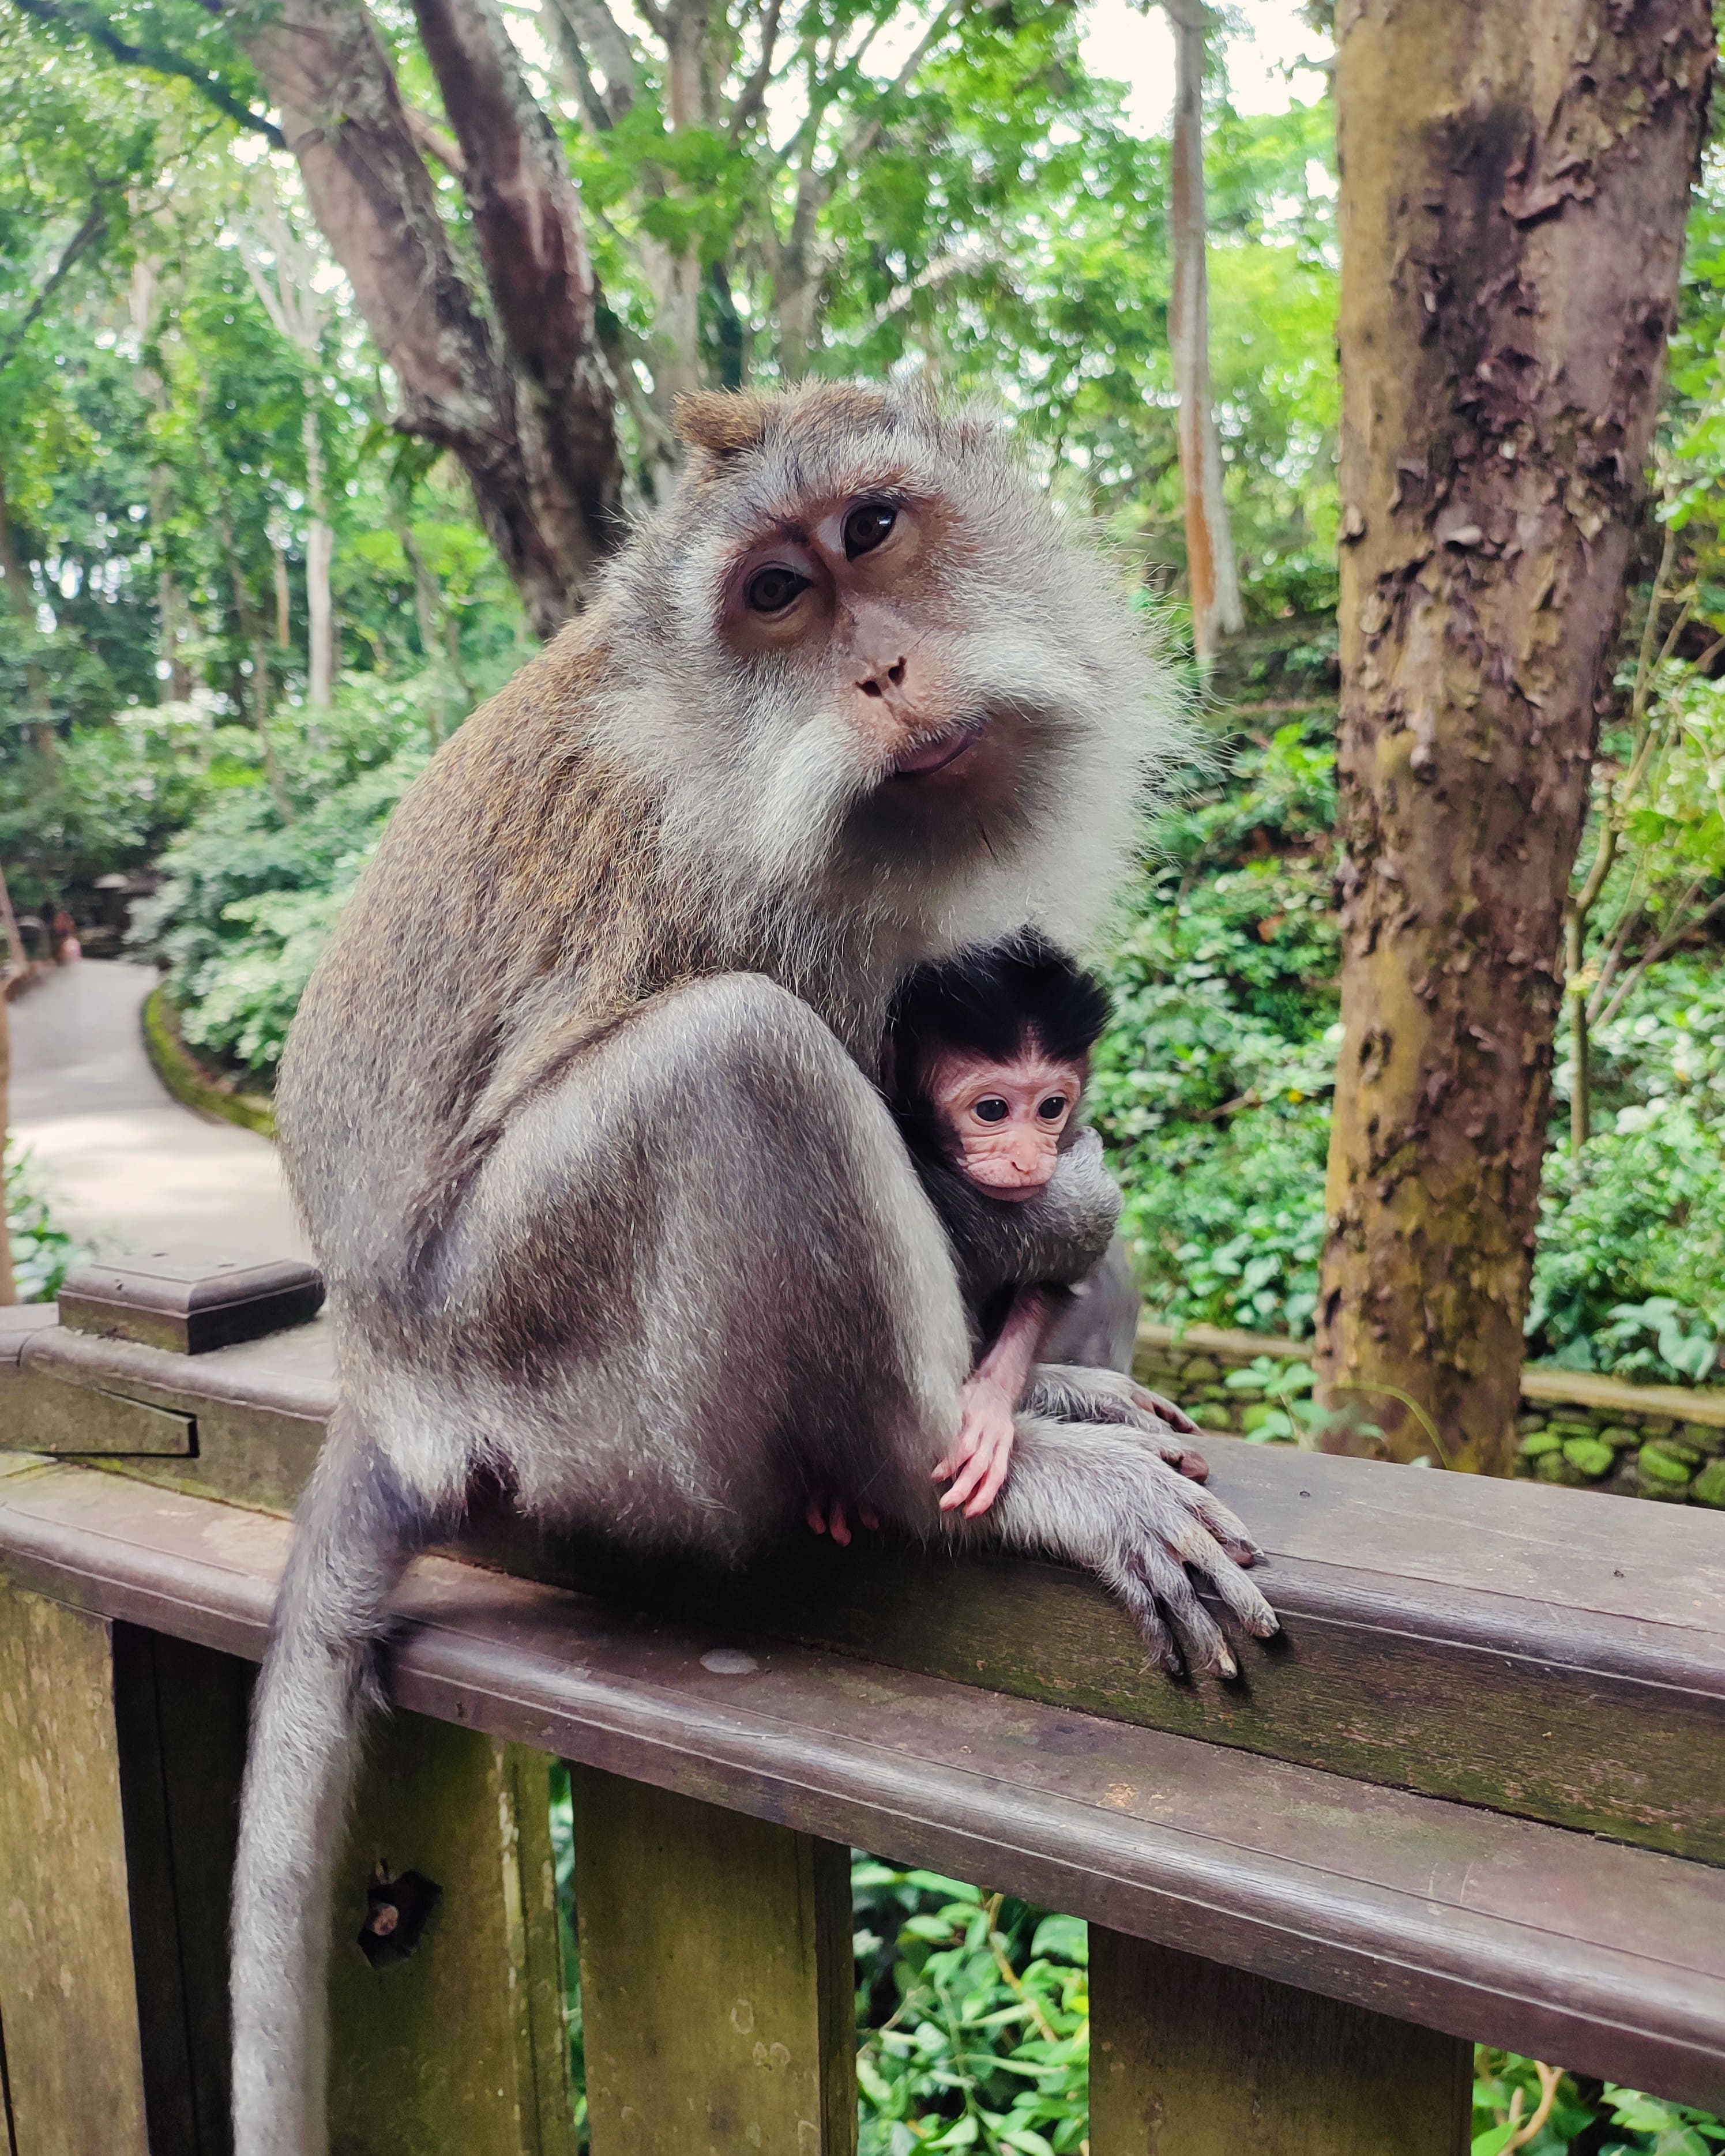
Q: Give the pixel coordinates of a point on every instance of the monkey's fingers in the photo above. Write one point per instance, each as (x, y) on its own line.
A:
(840, 1528)
(872, 1521)
(815, 1517)
(988, 1489)
(1164, 1411)
(1135, 1595)
(1168, 1580)
(1207, 1555)
(1227, 1530)
(976, 1472)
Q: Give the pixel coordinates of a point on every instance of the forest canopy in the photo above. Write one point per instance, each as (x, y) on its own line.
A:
(252, 578)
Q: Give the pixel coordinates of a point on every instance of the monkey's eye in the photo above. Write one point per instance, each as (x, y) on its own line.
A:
(865, 528)
(994, 1109)
(1053, 1108)
(772, 590)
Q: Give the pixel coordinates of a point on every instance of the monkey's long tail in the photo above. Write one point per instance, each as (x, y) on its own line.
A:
(357, 1528)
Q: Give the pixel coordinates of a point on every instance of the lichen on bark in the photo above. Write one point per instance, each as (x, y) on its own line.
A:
(1514, 185)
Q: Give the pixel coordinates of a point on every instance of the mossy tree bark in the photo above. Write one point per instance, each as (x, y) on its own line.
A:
(1514, 183)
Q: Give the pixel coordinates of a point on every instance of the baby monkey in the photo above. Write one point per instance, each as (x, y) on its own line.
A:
(987, 1059)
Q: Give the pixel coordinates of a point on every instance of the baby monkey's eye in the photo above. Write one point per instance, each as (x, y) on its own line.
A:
(866, 528)
(994, 1109)
(772, 590)
(1052, 1107)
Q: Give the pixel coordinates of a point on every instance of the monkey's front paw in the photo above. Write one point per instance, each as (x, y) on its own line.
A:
(981, 1453)
(1177, 1528)
(1068, 1392)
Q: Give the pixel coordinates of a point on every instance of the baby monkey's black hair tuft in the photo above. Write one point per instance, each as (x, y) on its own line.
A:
(991, 1001)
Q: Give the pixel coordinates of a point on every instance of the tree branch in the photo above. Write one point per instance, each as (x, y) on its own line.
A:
(95, 224)
(158, 60)
(961, 262)
(753, 94)
(864, 137)
(431, 141)
(328, 74)
(595, 31)
(527, 219)
(1670, 941)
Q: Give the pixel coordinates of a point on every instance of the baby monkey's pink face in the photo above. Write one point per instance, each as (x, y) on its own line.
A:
(1004, 1120)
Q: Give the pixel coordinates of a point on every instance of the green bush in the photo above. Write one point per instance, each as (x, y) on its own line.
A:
(974, 2018)
(1629, 1274)
(251, 892)
(1212, 1087)
(42, 1253)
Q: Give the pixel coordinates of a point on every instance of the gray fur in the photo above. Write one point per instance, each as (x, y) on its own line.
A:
(1098, 1326)
(1054, 1238)
(578, 1110)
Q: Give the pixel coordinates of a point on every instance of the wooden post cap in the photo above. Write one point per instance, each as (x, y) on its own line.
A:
(190, 1304)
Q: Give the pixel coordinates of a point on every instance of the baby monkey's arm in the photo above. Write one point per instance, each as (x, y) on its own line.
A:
(982, 1451)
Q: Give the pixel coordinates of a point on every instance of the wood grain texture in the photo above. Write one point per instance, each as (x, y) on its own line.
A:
(462, 2045)
(181, 1718)
(73, 2062)
(1191, 2059)
(1517, 1646)
(1553, 1944)
(716, 1983)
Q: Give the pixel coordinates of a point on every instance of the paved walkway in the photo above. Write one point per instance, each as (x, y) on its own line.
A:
(126, 1169)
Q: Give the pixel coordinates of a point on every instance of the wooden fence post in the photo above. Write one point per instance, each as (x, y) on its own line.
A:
(1189, 2058)
(74, 2070)
(464, 2043)
(717, 1986)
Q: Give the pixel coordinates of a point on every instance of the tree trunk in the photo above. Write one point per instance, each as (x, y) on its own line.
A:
(319, 558)
(18, 597)
(527, 218)
(8, 1278)
(535, 472)
(1514, 183)
(1210, 567)
(174, 675)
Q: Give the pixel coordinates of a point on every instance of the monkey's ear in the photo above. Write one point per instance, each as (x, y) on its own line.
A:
(723, 422)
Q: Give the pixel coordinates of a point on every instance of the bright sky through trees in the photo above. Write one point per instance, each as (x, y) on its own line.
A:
(1264, 53)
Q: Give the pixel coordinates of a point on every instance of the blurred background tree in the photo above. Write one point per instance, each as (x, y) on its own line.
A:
(194, 388)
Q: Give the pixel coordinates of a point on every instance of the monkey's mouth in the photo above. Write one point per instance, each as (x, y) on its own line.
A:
(937, 755)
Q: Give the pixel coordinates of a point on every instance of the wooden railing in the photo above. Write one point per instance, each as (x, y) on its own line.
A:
(1477, 1792)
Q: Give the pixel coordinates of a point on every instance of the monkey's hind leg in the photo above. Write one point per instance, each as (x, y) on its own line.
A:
(357, 1528)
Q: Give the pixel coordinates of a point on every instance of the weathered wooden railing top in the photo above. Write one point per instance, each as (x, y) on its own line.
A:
(1398, 1805)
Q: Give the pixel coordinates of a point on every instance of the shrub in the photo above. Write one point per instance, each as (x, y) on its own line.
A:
(42, 1253)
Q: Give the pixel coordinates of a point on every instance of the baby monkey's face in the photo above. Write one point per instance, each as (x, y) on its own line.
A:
(1004, 1121)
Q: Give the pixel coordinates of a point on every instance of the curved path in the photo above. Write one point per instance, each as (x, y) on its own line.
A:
(124, 1167)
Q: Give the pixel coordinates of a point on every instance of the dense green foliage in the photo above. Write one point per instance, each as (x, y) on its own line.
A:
(42, 1253)
(251, 889)
(1212, 1089)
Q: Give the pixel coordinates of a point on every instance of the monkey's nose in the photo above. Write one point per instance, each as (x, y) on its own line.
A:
(876, 684)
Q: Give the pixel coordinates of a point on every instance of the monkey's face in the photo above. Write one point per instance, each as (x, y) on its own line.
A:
(1003, 1121)
(930, 700)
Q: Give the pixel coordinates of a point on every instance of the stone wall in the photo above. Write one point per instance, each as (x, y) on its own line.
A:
(1658, 1441)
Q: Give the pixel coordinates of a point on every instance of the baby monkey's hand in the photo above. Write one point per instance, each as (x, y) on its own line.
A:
(982, 1452)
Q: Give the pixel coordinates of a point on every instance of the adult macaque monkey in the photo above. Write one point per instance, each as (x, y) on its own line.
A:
(579, 1110)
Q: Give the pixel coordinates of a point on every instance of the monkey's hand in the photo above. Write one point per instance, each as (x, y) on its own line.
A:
(1066, 1391)
(982, 1452)
(1099, 1497)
